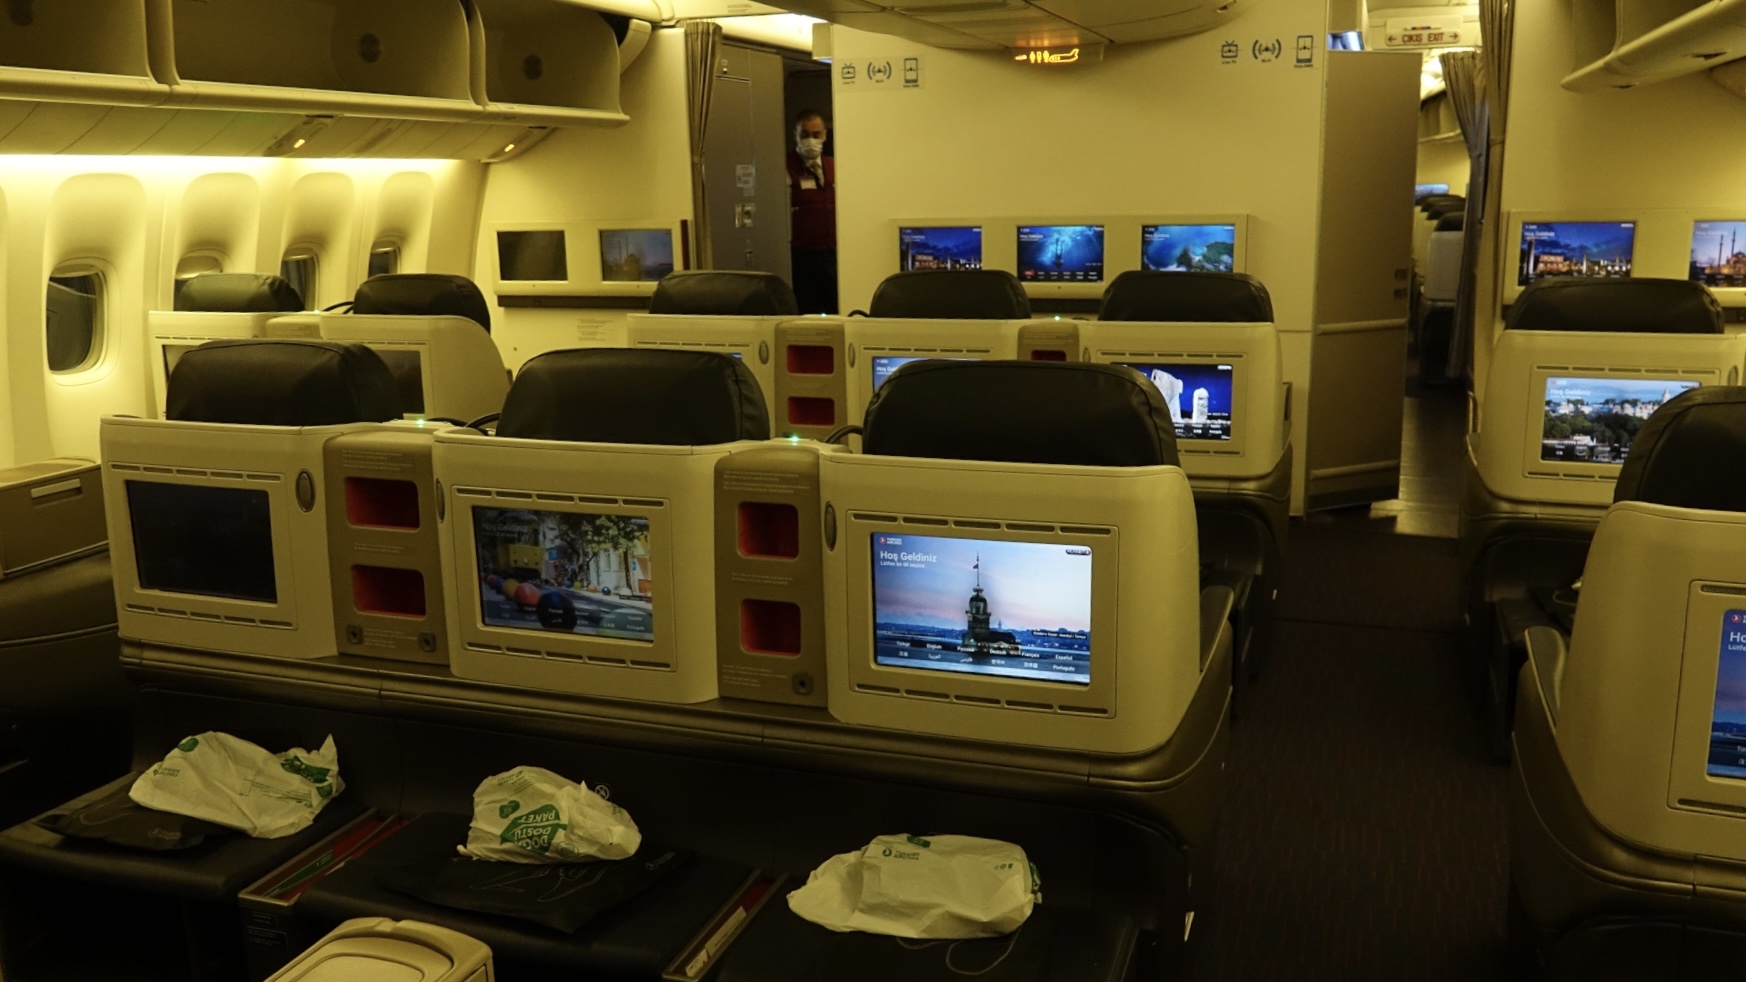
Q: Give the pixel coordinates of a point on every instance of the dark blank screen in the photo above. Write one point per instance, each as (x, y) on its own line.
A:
(532, 256)
(407, 366)
(213, 542)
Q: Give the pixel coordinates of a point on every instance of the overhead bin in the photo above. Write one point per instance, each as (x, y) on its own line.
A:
(404, 58)
(92, 51)
(536, 61)
(1622, 43)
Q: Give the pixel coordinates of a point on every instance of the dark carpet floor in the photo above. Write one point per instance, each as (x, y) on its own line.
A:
(1363, 836)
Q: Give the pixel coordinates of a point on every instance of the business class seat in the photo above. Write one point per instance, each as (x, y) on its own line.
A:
(211, 307)
(1242, 503)
(723, 293)
(434, 333)
(1431, 211)
(960, 294)
(1077, 414)
(732, 312)
(1526, 520)
(1628, 802)
(65, 707)
(1434, 306)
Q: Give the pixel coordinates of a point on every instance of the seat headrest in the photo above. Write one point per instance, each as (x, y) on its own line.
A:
(1455, 221)
(1638, 306)
(1155, 295)
(635, 395)
(238, 293)
(1028, 412)
(1431, 201)
(1442, 208)
(1691, 453)
(956, 294)
(724, 292)
(423, 295)
(281, 382)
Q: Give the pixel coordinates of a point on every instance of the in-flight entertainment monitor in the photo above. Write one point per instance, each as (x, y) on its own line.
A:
(1591, 249)
(1009, 609)
(1423, 191)
(1718, 254)
(407, 367)
(939, 247)
(1189, 248)
(564, 571)
(1060, 253)
(884, 365)
(532, 256)
(1727, 754)
(635, 255)
(1595, 420)
(202, 540)
(1200, 397)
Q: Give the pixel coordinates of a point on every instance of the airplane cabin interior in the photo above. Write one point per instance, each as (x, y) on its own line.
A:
(726, 491)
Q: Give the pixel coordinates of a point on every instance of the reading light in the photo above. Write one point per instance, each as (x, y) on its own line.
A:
(509, 148)
(299, 144)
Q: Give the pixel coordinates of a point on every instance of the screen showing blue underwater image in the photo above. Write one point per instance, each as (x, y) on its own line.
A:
(1189, 248)
(1017, 610)
(1060, 253)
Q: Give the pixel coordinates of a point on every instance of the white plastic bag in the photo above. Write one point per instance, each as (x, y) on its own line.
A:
(943, 886)
(530, 815)
(234, 783)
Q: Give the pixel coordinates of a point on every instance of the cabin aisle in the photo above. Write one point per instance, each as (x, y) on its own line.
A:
(1364, 833)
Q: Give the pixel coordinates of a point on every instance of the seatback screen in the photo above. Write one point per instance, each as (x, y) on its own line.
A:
(1199, 397)
(203, 540)
(407, 367)
(1718, 253)
(1060, 253)
(635, 255)
(1018, 610)
(884, 365)
(1189, 248)
(532, 256)
(945, 247)
(1592, 249)
(1728, 719)
(565, 572)
(1595, 420)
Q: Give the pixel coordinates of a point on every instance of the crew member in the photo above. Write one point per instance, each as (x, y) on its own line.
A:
(812, 183)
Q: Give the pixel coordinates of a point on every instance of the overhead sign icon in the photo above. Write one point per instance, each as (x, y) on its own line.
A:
(880, 71)
(1267, 50)
(847, 71)
(1306, 49)
(1230, 50)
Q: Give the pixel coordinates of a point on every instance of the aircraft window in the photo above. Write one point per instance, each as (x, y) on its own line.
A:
(384, 259)
(73, 318)
(195, 265)
(300, 268)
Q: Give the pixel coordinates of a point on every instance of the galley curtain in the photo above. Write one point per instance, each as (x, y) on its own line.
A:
(702, 47)
(1497, 19)
(1463, 75)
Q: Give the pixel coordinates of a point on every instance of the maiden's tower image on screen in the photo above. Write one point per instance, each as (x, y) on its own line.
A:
(1728, 722)
(1010, 609)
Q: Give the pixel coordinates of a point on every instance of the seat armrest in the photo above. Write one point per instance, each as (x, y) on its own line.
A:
(1546, 648)
(1216, 603)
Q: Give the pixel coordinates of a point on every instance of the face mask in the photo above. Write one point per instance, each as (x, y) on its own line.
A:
(809, 148)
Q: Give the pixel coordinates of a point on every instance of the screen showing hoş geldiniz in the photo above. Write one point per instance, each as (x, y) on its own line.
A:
(1008, 609)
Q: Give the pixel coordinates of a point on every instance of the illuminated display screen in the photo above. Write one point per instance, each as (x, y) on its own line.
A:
(1718, 253)
(565, 572)
(635, 255)
(1199, 397)
(1594, 420)
(1060, 253)
(1017, 610)
(946, 247)
(1593, 249)
(1728, 719)
(1189, 248)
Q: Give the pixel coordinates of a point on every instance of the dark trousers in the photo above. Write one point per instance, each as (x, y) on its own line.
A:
(815, 280)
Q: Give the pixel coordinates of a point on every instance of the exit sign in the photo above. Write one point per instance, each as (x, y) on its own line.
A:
(1426, 32)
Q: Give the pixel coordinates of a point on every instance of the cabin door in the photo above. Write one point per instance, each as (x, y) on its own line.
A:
(745, 163)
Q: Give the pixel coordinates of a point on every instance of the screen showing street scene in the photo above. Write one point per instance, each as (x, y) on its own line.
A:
(635, 255)
(1718, 253)
(884, 365)
(1199, 397)
(1060, 253)
(1594, 420)
(1600, 250)
(568, 572)
(949, 247)
(1018, 610)
(1189, 248)
(1728, 722)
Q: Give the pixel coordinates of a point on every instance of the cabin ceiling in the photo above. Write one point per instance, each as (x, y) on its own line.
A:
(993, 24)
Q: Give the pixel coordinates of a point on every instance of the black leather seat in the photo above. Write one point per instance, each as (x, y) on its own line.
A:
(240, 293)
(720, 292)
(1190, 297)
(1028, 412)
(951, 294)
(1455, 221)
(423, 295)
(1634, 306)
(282, 382)
(635, 395)
(1691, 453)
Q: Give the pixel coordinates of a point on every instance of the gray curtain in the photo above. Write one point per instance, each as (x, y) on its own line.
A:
(1463, 75)
(702, 47)
(1497, 19)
